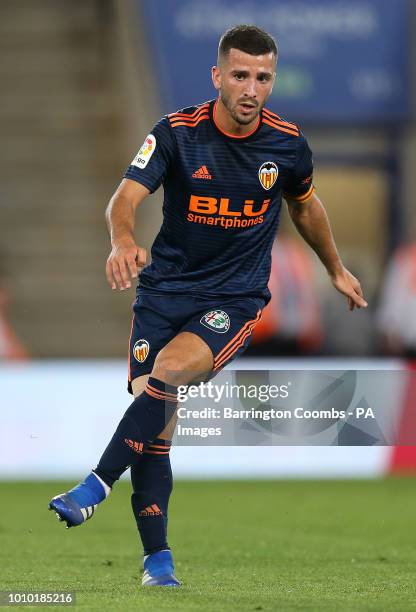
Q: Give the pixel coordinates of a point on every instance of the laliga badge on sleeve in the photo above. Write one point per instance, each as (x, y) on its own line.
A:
(145, 152)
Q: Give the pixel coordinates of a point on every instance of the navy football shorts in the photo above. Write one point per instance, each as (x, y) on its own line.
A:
(225, 324)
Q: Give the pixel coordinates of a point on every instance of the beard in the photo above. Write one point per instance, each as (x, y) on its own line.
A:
(232, 109)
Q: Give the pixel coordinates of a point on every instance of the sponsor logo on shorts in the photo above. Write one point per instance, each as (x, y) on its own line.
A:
(141, 350)
(217, 320)
(268, 173)
(145, 152)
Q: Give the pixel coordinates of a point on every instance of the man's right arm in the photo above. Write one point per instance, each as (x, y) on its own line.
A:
(126, 258)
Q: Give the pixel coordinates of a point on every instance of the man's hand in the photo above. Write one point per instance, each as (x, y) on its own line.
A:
(349, 286)
(124, 262)
(126, 258)
(312, 223)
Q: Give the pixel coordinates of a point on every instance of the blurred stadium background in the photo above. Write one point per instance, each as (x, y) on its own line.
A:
(82, 84)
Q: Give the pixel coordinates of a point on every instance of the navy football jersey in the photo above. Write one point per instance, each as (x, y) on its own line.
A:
(222, 200)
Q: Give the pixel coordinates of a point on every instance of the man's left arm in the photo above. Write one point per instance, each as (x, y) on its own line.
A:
(312, 223)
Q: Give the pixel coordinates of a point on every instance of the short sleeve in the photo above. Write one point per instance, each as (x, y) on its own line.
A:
(151, 163)
(299, 185)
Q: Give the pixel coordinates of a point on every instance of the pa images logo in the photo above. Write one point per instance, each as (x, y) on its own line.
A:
(216, 320)
(141, 350)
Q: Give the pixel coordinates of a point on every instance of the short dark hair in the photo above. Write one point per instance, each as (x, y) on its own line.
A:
(247, 38)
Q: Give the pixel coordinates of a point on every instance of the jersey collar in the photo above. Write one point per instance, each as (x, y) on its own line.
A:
(254, 131)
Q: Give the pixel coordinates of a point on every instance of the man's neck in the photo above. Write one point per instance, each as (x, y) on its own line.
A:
(228, 125)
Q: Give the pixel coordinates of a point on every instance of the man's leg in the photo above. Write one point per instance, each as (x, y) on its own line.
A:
(186, 356)
(151, 477)
(176, 364)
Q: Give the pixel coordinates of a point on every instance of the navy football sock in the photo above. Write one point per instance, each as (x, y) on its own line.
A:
(145, 419)
(151, 478)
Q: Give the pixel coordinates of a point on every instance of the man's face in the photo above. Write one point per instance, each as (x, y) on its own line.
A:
(244, 82)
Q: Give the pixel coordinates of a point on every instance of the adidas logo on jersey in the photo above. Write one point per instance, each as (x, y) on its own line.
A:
(202, 173)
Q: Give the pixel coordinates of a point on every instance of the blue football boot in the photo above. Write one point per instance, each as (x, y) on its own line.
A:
(78, 505)
(158, 570)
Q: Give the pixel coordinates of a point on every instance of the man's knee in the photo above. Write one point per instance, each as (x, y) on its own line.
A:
(170, 368)
(138, 384)
(185, 359)
(175, 372)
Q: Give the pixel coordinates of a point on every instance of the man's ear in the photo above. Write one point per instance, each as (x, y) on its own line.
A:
(216, 77)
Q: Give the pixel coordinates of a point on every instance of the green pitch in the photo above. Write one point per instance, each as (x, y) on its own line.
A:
(238, 546)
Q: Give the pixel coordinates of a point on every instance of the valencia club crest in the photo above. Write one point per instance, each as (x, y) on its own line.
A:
(141, 350)
(268, 173)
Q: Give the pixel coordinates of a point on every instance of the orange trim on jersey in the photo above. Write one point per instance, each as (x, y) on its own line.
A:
(190, 115)
(223, 354)
(188, 121)
(237, 345)
(177, 123)
(279, 127)
(301, 198)
(128, 354)
(278, 119)
(152, 452)
(233, 135)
